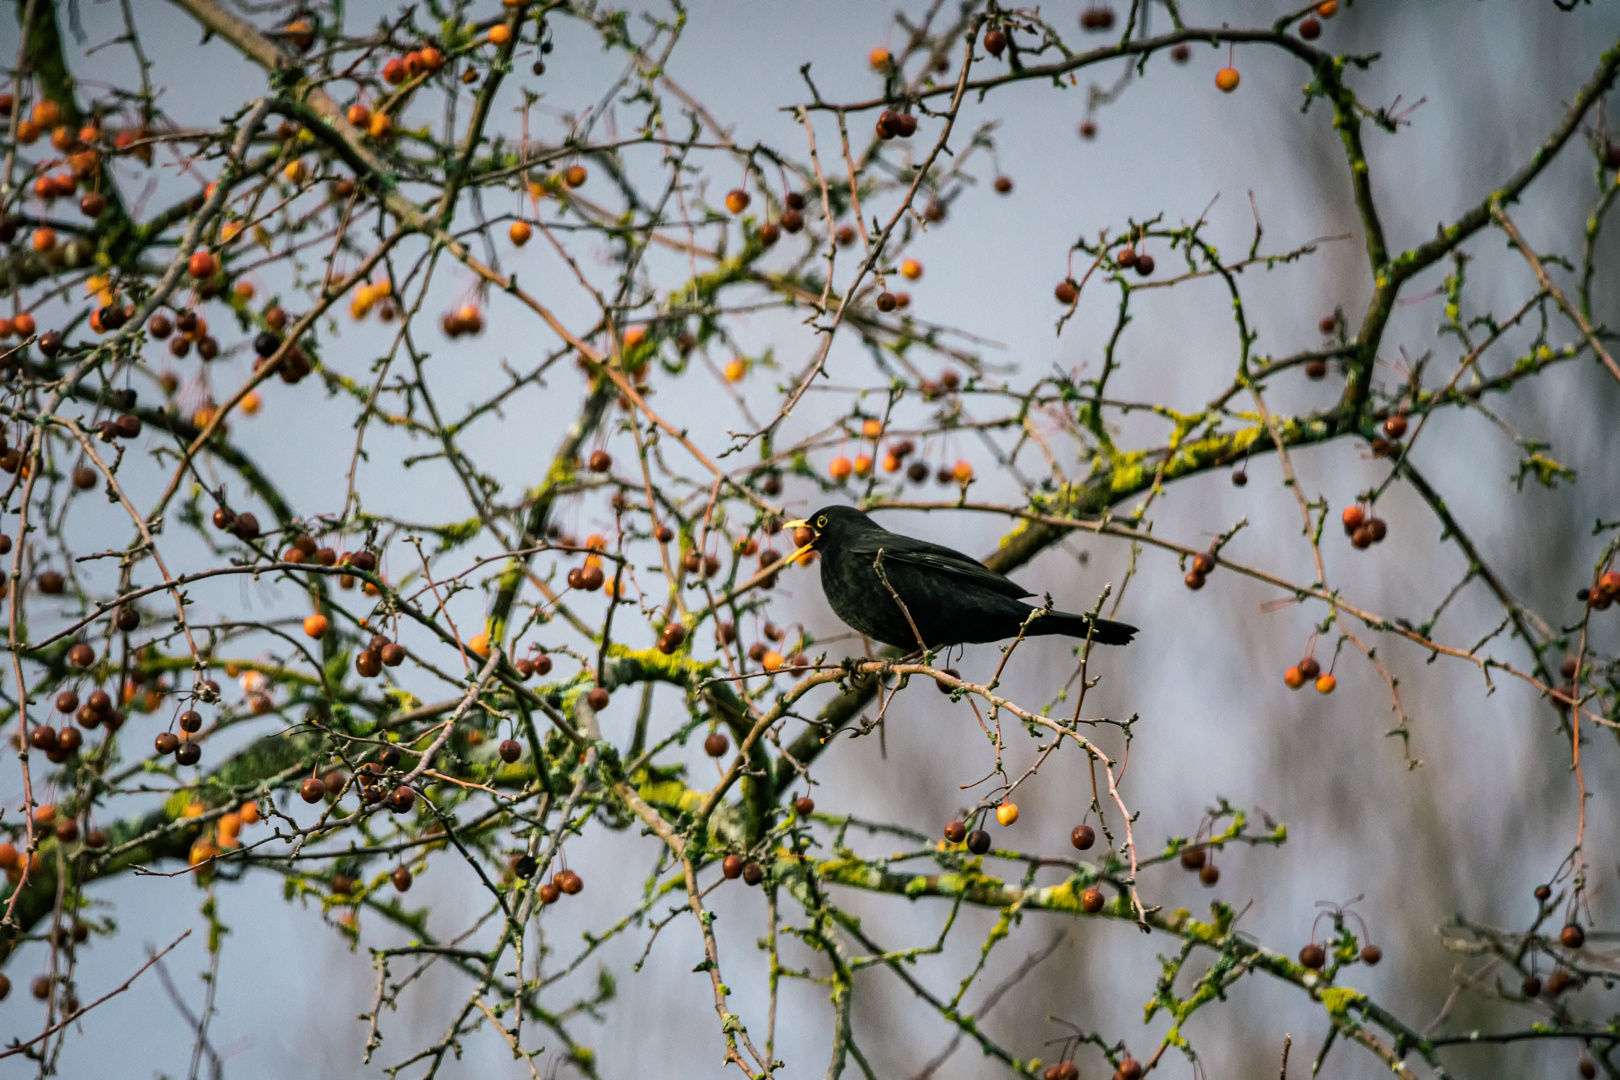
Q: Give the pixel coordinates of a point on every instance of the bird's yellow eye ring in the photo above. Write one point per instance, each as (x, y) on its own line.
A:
(821, 522)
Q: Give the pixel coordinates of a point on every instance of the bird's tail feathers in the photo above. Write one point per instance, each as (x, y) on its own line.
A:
(1106, 631)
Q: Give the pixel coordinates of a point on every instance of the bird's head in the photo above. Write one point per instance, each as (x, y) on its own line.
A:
(829, 526)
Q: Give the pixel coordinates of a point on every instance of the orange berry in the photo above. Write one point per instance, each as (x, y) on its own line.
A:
(230, 825)
(479, 644)
(380, 125)
(771, 661)
(911, 269)
(1325, 684)
(1226, 80)
(840, 468)
(634, 336)
(737, 200)
(1007, 813)
(359, 115)
(1328, 8)
(44, 239)
(202, 264)
(252, 403)
(871, 429)
(520, 233)
(735, 370)
(879, 58)
(250, 813)
(1353, 517)
(891, 464)
(962, 471)
(575, 176)
(500, 34)
(1294, 678)
(316, 626)
(863, 465)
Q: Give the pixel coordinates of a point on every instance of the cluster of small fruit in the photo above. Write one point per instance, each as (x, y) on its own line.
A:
(735, 866)
(896, 125)
(1363, 529)
(371, 781)
(380, 652)
(841, 468)
(1067, 291)
(227, 832)
(764, 653)
(1203, 565)
(977, 841)
(97, 711)
(465, 320)
(49, 820)
(1199, 859)
(1314, 955)
(183, 747)
(564, 882)
(1571, 937)
(1127, 1069)
(1308, 670)
(1603, 593)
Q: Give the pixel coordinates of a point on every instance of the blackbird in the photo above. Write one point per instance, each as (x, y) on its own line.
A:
(951, 599)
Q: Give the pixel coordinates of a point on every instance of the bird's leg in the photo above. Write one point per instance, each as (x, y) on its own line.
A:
(877, 565)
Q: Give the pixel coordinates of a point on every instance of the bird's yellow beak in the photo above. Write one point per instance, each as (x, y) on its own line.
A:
(800, 524)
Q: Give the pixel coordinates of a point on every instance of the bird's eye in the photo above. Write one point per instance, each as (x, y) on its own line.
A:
(821, 522)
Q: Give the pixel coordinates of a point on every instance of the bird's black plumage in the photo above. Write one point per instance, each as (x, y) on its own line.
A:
(951, 598)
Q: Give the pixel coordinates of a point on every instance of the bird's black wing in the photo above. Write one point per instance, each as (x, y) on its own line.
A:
(908, 549)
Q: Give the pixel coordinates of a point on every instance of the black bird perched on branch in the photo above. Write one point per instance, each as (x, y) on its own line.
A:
(898, 589)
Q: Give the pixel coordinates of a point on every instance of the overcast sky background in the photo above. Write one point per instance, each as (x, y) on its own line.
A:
(1489, 814)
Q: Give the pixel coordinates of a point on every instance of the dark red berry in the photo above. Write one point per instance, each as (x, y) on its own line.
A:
(1083, 837)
